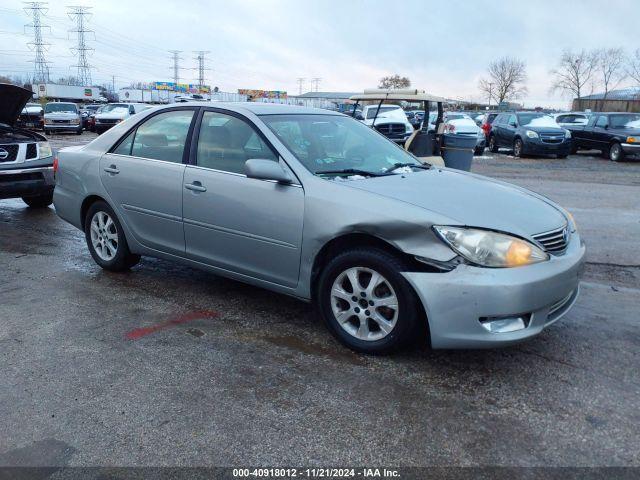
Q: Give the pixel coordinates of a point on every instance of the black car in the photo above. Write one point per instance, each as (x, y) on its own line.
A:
(616, 135)
(31, 117)
(26, 159)
(529, 133)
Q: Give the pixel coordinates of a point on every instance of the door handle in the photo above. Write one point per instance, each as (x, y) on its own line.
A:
(195, 187)
(112, 169)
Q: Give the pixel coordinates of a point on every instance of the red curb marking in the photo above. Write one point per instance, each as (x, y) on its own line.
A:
(137, 333)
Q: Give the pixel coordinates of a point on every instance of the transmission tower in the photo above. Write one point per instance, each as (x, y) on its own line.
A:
(80, 14)
(201, 68)
(176, 65)
(316, 81)
(300, 81)
(37, 10)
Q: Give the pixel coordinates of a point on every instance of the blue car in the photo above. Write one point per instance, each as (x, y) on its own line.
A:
(529, 133)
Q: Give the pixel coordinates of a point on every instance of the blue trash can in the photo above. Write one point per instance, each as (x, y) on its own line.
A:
(457, 151)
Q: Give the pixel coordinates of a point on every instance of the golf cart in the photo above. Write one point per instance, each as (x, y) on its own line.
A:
(428, 145)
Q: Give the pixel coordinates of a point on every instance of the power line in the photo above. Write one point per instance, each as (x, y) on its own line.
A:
(83, 76)
(300, 81)
(40, 67)
(176, 64)
(201, 68)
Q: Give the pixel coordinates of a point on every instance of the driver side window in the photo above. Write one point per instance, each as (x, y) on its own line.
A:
(602, 121)
(226, 142)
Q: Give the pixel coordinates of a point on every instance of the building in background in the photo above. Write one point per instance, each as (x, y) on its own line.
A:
(624, 100)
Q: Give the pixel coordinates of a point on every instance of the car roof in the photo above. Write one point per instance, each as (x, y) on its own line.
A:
(258, 108)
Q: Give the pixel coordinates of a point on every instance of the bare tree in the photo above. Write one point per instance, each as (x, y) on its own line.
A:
(394, 81)
(633, 68)
(573, 72)
(610, 68)
(506, 79)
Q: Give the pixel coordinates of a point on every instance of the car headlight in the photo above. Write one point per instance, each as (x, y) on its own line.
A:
(47, 121)
(567, 134)
(408, 128)
(44, 150)
(491, 249)
(531, 134)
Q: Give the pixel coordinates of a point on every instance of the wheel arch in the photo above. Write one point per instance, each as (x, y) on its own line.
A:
(359, 240)
(86, 204)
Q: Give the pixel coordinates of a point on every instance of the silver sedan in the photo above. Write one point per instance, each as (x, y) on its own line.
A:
(316, 205)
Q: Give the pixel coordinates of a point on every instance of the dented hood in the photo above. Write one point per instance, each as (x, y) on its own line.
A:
(470, 200)
(12, 101)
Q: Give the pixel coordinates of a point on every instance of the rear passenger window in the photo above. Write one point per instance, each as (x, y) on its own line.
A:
(163, 136)
(225, 142)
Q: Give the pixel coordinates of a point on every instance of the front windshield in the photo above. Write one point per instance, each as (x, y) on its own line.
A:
(536, 120)
(115, 106)
(60, 107)
(331, 142)
(371, 113)
(624, 121)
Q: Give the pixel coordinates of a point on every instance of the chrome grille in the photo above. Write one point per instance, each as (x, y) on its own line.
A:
(554, 241)
(8, 153)
(391, 129)
(552, 137)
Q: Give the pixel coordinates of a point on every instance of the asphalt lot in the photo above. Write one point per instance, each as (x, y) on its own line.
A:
(167, 365)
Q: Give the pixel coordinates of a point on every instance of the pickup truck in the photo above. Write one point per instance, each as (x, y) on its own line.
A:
(616, 135)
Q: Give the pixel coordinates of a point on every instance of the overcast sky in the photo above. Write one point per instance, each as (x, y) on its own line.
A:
(442, 46)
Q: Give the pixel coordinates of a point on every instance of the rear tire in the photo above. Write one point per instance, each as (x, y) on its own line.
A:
(493, 144)
(39, 201)
(373, 319)
(478, 151)
(562, 156)
(105, 239)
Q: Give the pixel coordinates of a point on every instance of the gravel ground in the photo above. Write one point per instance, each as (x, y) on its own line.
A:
(228, 374)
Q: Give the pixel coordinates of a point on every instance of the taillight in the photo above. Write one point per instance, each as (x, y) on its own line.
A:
(55, 165)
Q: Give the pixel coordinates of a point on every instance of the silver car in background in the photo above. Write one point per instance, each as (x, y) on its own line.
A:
(316, 205)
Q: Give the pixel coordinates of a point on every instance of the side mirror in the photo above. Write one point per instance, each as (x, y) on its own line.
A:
(266, 170)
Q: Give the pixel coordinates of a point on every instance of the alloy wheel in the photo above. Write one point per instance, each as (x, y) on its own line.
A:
(104, 236)
(364, 303)
(614, 152)
(517, 148)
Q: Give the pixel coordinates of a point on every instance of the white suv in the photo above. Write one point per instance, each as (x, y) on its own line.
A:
(114, 113)
(391, 121)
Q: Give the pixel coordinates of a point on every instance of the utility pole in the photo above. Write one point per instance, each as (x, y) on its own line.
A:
(113, 83)
(79, 14)
(300, 81)
(176, 65)
(40, 65)
(201, 68)
(317, 81)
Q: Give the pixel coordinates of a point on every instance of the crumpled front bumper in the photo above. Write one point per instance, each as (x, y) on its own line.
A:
(456, 301)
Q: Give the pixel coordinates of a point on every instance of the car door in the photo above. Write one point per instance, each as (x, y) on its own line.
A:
(143, 175)
(245, 225)
(510, 130)
(600, 134)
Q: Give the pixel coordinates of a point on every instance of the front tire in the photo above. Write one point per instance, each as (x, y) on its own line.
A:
(616, 154)
(105, 239)
(366, 303)
(478, 151)
(517, 148)
(39, 201)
